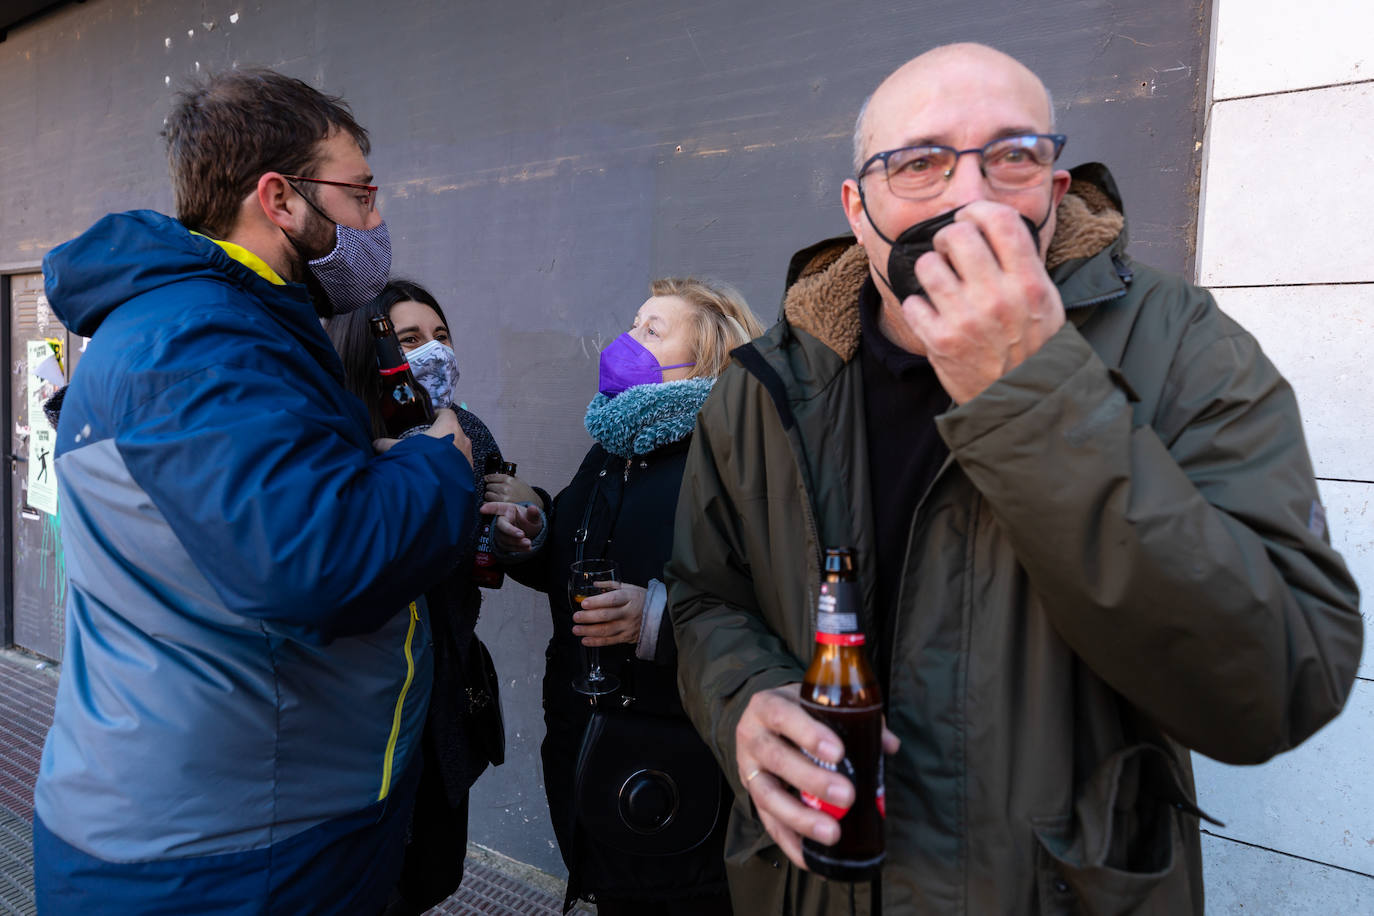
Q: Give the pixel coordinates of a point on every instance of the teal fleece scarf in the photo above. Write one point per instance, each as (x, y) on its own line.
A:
(645, 417)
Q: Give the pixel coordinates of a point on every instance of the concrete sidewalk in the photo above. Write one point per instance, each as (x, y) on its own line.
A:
(492, 883)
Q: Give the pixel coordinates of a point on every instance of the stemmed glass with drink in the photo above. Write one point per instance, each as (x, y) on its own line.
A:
(587, 578)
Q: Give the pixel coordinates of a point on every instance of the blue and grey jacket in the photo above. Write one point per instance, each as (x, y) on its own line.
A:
(246, 657)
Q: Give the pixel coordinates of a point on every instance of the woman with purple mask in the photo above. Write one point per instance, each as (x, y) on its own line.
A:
(638, 804)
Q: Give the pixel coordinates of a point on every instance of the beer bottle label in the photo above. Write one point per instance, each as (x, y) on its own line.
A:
(482, 556)
(881, 794)
(846, 769)
(837, 618)
(857, 727)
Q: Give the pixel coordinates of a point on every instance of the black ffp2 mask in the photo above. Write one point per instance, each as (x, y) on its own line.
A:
(915, 241)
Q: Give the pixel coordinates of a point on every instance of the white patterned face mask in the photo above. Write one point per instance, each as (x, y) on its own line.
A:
(436, 368)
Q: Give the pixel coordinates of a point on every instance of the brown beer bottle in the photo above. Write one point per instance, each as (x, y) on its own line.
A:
(485, 572)
(841, 691)
(403, 402)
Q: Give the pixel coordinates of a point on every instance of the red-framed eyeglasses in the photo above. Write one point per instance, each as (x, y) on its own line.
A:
(370, 201)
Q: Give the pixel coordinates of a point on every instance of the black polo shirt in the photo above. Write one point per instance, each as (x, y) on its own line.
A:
(902, 398)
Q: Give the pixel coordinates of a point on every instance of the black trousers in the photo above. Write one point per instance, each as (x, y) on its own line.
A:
(435, 849)
(717, 904)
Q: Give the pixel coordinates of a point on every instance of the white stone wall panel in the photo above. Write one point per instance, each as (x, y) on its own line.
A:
(1284, 242)
(1288, 191)
(1266, 46)
(1320, 338)
(1245, 881)
(1315, 801)
(1352, 533)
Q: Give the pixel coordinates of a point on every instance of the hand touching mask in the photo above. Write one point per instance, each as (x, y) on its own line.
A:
(915, 241)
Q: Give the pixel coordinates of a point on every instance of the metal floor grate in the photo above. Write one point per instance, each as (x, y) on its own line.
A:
(487, 891)
(16, 866)
(27, 693)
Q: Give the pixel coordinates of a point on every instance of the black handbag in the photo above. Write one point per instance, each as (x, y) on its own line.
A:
(464, 722)
(482, 703)
(646, 784)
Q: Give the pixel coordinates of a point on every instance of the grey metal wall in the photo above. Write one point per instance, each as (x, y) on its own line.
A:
(540, 161)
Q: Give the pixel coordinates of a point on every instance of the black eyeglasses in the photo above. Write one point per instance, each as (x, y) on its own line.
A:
(368, 199)
(1008, 163)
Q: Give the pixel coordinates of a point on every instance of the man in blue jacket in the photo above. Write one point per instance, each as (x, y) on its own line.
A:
(246, 667)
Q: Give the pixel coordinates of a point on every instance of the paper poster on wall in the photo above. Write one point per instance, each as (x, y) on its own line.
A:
(45, 377)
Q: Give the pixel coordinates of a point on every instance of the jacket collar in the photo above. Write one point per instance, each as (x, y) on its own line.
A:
(247, 258)
(1084, 260)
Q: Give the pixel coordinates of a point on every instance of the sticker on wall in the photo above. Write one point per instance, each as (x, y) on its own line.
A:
(45, 377)
(55, 372)
(42, 313)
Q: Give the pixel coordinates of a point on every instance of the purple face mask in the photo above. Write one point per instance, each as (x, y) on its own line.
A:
(626, 363)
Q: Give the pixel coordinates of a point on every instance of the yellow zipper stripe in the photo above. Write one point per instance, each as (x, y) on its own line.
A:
(400, 703)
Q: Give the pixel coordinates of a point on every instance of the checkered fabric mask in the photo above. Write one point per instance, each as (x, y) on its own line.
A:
(356, 270)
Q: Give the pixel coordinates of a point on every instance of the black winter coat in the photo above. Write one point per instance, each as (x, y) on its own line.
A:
(631, 521)
(453, 756)
(454, 605)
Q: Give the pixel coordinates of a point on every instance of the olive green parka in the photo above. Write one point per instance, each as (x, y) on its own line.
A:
(1124, 558)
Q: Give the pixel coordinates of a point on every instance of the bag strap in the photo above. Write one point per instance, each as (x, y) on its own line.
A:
(580, 535)
(627, 679)
(752, 360)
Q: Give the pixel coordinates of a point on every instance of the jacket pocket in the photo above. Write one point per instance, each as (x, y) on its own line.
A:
(1121, 850)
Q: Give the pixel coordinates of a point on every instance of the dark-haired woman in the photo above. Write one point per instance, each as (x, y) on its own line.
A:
(458, 730)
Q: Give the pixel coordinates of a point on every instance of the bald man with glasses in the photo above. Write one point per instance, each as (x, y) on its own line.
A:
(1088, 535)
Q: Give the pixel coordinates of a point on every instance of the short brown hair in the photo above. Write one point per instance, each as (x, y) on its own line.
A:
(723, 320)
(230, 128)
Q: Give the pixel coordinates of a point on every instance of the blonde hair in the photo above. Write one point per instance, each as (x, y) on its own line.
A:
(720, 316)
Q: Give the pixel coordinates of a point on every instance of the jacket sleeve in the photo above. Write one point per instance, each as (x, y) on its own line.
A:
(726, 650)
(531, 568)
(290, 518)
(1183, 555)
(656, 642)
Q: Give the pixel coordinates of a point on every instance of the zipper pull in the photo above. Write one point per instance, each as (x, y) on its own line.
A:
(628, 462)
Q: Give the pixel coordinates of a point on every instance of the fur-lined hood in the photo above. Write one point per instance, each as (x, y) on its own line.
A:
(823, 281)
